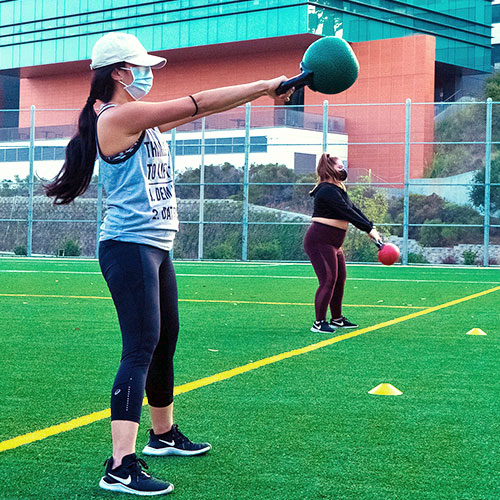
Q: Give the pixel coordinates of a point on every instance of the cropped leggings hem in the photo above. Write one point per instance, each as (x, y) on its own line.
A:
(142, 283)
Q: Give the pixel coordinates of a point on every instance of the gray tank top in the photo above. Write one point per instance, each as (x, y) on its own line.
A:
(141, 206)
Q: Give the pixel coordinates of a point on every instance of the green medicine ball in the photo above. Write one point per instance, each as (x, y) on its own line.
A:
(333, 63)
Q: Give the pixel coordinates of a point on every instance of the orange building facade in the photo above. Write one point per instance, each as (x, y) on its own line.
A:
(391, 71)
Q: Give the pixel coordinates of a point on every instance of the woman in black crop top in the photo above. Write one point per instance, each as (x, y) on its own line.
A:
(333, 210)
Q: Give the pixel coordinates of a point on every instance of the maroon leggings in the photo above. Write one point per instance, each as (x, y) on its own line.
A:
(323, 244)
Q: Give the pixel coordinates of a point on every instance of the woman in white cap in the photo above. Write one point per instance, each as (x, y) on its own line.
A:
(136, 237)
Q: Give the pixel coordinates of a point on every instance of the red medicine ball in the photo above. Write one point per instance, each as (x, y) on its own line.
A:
(388, 254)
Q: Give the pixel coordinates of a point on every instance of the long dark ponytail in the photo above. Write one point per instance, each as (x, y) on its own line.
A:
(76, 173)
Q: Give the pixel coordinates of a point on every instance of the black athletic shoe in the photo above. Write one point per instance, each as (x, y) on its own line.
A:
(173, 442)
(343, 322)
(322, 327)
(130, 478)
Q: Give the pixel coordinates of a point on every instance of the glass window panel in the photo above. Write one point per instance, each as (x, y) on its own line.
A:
(23, 154)
(11, 155)
(60, 153)
(192, 150)
(465, 21)
(7, 12)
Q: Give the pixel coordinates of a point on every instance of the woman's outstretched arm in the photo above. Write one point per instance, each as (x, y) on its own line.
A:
(133, 117)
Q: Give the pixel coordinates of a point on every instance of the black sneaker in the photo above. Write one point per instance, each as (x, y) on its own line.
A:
(343, 322)
(322, 327)
(173, 442)
(130, 478)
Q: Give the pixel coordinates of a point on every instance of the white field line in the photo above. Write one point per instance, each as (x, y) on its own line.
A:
(259, 276)
(67, 260)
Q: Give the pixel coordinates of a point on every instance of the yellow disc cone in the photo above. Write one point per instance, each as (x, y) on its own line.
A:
(475, 331)
(385, 390)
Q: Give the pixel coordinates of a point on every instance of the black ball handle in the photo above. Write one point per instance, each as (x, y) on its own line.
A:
(299, 81)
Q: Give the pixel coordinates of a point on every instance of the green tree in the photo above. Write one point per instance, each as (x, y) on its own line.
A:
(301, 201)
(271, 195)
(374, 204)
(225, 173)
(293, 195)
(462, 123)
(492, 90)
(430, 235)
(477, 188)
(20, 187)
(492, 87)
(16, 187)
(436, 210)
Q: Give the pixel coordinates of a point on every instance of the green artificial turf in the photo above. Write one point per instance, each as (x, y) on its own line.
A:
(300, 428)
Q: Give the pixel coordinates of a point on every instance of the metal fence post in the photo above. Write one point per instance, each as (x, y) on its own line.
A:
(406, 201)
(202, 192)
(172, 151)
(325, 126)
(99, 212)
(31, 181)
(244, 228)
(172, 159)
(487, 183)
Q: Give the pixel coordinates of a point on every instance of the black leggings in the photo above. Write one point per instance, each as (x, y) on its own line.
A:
(323, 244)
(141, 279)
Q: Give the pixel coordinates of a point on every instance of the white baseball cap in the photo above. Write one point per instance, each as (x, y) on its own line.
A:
(117, 47)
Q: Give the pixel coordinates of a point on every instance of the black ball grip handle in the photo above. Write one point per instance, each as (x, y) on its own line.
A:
(305, 78)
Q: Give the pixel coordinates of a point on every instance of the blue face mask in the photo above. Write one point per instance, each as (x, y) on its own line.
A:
(142, 82)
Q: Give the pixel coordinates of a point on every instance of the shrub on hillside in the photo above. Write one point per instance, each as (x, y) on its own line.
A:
(20, 250)
(477, 187)
(449, 259)
(416, 258)
(269, 250)
(71, 248)
(470, 257)
(366, 252)
(462, 123)
(436, 210)
(431, 236)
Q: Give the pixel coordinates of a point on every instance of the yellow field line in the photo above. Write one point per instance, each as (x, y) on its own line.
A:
(196, 384)
(216, 301)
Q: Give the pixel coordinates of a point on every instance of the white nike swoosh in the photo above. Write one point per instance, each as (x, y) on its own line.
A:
(125, 481)
(170, 443)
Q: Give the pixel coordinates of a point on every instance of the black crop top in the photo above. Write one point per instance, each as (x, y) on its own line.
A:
(332, 202)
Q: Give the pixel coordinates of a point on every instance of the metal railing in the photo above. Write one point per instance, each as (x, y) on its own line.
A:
(331, 137)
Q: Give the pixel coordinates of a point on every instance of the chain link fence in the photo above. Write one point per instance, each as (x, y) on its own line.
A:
(427, 174)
